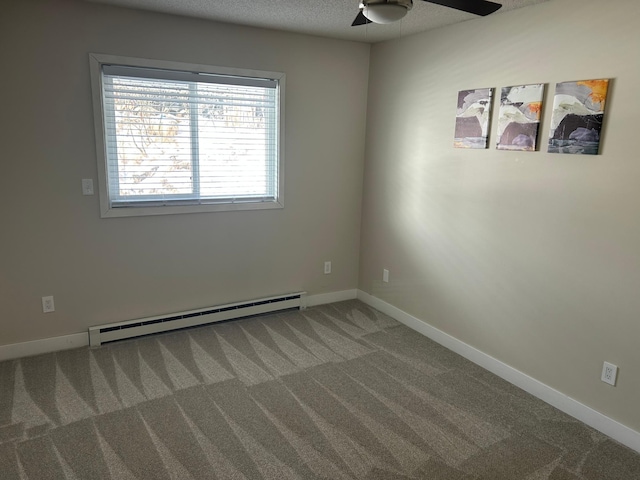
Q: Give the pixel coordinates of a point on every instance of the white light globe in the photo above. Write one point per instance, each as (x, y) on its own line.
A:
(384, 12)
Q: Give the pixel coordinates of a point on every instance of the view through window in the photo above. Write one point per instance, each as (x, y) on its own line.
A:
(178, 138)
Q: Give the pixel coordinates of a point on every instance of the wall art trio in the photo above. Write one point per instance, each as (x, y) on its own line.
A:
(576, 123)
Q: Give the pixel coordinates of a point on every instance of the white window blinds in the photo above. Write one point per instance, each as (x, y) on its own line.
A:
(176, 137)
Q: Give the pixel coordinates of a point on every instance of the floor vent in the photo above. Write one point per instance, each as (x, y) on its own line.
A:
(163, 323)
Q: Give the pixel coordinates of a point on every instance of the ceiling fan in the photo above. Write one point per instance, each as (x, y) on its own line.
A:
(388, 11)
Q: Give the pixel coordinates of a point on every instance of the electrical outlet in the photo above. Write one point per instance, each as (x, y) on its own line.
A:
(385, 275)
(327, 268)
(87, 186)
(48, 305)
(609, 373)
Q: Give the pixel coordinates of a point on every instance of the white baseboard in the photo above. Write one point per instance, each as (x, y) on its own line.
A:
(568, 405)
(45, 345)
(331, 297)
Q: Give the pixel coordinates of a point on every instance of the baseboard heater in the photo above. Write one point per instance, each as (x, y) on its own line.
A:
(192, 318)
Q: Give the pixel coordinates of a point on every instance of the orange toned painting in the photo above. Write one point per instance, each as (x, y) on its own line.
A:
(578, 113)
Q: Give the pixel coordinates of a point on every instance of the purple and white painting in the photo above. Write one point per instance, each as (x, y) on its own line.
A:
(578, 113)
(519, 117)
(472, 118)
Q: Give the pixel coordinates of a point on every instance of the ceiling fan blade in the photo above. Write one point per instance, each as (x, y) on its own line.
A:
(477, 7)
(360, 20)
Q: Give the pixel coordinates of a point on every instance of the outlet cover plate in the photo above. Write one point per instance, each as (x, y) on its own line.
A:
(87, 186)
(609, 373)
(48, 305)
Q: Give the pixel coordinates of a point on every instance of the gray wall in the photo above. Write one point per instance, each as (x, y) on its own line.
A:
(532, 258)
(53, 240)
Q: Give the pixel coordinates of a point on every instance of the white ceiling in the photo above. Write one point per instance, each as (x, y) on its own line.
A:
(327, 18)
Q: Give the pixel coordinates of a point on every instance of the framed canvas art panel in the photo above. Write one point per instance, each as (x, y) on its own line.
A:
(519, 117)
(472, 118)
(578, 113)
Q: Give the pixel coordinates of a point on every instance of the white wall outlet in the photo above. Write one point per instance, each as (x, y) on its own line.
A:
(327, 268)
(48, 305)
(87, 186)
(609, 373)
(385, 275)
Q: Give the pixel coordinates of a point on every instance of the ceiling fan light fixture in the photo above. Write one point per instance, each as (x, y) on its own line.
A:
(385, 11)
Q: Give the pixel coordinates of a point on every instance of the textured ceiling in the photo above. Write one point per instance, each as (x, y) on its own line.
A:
(327, 18)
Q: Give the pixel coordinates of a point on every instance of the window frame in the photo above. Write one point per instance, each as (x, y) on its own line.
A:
(107, 209)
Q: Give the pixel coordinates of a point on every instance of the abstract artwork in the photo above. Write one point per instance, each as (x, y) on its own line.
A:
(472, 118)
(519, 117)
(578, 111)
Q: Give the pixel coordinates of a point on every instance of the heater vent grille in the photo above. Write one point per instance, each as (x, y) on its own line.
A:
(145, 326)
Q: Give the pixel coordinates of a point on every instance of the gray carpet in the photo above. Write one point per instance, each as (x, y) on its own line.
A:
(339, 391)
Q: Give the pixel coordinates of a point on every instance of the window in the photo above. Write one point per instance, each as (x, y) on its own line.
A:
(178, 138)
